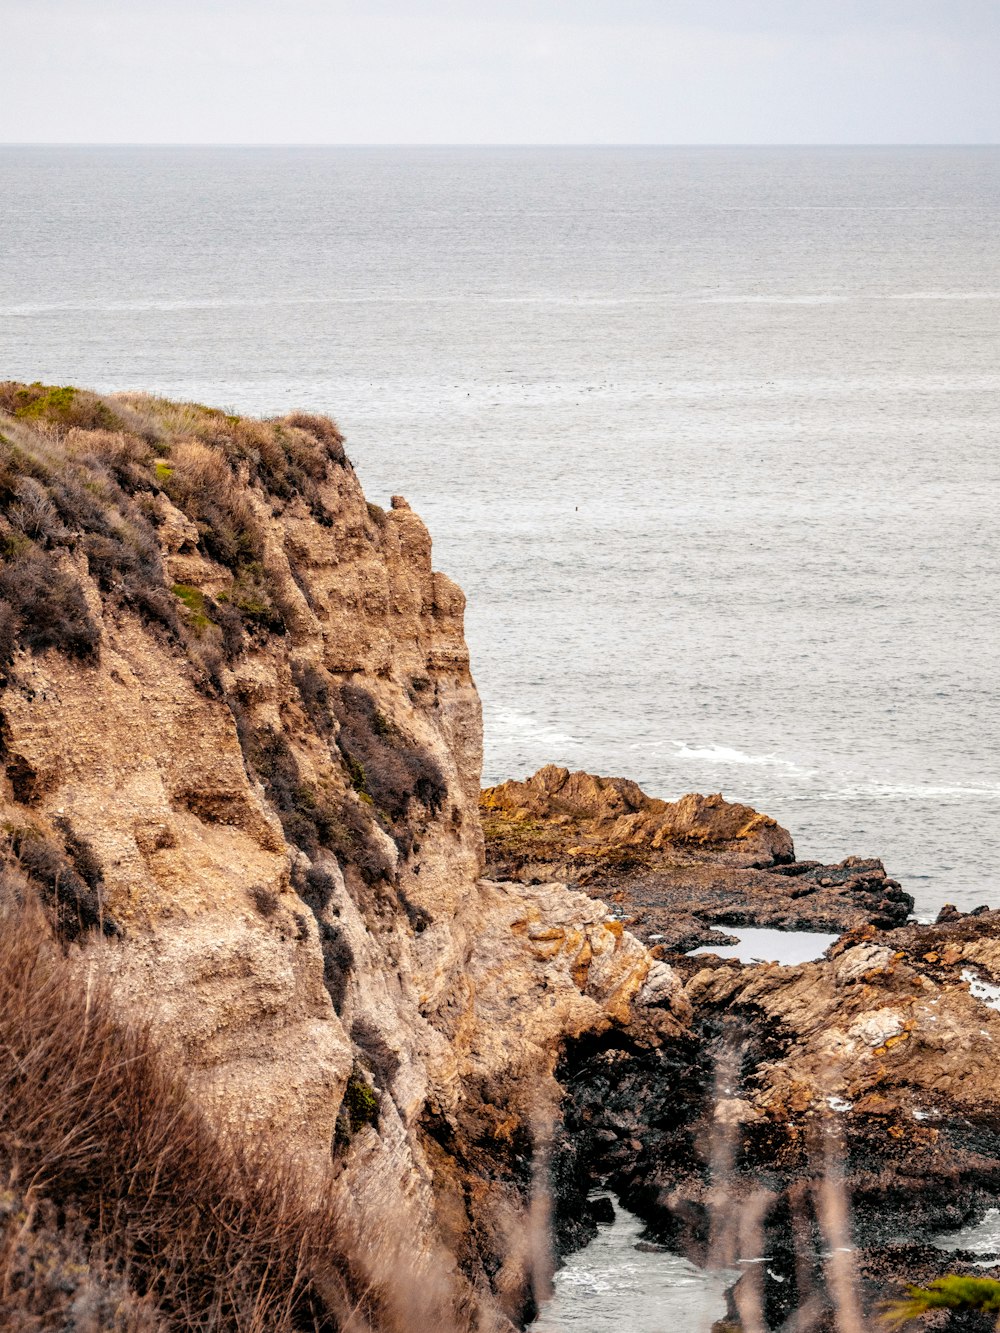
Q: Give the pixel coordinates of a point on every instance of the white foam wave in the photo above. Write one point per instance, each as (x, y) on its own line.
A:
(910, 791)
(727, 754)
(509, 727)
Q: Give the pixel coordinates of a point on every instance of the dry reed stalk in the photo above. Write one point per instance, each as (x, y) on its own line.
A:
(93, 1125)
(723, 1243)
(833, 1213)
(540, 1259)
(749, 1294)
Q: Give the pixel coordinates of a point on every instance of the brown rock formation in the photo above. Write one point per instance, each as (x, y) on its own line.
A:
(588, 820)
(674, 868)
(241, 735)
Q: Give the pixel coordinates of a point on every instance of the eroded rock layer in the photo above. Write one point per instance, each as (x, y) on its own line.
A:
(241, 742)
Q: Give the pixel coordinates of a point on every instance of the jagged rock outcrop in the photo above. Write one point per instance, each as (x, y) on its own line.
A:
(592, 821)
(769, 1109)
(242, 740)
(675, 868)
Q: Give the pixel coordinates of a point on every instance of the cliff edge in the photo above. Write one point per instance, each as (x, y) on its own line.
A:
(241, 756)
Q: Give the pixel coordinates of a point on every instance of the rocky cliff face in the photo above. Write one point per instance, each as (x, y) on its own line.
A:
(240, 765)
(845, 1106)
(241, 741)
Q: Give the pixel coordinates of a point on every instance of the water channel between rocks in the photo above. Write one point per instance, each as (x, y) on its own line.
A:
(610, 1285)
(981, 1239)
(760, 945)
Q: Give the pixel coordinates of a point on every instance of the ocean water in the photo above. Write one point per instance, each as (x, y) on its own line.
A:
(709, 436)
(761, 944)
(612, 1285)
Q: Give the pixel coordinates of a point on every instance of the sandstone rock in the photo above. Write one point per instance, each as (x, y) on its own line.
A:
(676, 868)
(585, 818)
(284, 832)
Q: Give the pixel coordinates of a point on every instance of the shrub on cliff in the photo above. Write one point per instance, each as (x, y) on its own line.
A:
(58, 503)
(80, 475)
(66, 879)
(42, 606)
(384, 764)
(312, 818)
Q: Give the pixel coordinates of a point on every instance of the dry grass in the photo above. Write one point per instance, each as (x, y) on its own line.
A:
(121, 1198)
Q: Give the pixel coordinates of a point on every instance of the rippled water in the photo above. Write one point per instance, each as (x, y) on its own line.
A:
(983, 1238)
(611, 1286)
(709, 436)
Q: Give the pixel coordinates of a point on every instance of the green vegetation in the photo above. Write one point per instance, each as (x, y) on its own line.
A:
(945, 1293)
(64, 406)
(313, 819)
(356, 771)
(194, 599)
(360, 1101)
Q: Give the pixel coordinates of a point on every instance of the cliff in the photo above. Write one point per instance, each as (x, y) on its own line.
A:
(275, 1018)
(241, 756)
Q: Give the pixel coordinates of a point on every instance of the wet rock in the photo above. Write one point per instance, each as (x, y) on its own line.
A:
(602, 1210)
(673, 869)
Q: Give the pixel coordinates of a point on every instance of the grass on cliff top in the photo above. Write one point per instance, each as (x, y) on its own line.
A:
(120, 1206)
(83, 478)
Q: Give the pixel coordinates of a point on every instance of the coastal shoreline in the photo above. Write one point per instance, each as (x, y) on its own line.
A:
(858, 1083)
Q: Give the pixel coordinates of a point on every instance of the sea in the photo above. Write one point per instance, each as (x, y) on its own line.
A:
(709, 436)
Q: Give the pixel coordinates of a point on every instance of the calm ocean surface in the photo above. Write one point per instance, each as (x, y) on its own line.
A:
(709, 436)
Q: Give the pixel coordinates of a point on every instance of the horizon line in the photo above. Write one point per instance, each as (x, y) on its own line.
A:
(305, 143)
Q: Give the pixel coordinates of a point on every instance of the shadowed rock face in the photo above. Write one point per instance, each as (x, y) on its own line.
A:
(675, 868)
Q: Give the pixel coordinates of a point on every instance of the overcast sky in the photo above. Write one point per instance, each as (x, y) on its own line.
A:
(500, 71)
